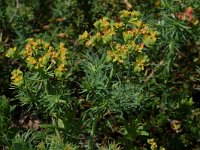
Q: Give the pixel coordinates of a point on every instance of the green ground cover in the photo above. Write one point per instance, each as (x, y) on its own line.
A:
(100, 74)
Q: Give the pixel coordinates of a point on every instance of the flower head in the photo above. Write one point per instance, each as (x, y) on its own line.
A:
(17, 77)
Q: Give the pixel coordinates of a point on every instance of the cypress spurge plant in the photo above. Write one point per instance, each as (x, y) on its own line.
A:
(41, 80)
(122, 48)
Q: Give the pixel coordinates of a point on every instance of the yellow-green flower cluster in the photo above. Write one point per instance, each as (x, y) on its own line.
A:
(122, 39)
(152, 143)
(10, 53)
(119, 54)
(133, 15)
(140, 63)
(61, 60)
(103, 24)
(17, 77)
(40, 55)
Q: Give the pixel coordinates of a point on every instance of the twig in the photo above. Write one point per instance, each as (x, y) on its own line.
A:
(17, 7)
(153, 71)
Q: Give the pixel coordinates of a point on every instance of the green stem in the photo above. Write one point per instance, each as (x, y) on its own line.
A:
(90, 143)
(45, 87)
(56, 130)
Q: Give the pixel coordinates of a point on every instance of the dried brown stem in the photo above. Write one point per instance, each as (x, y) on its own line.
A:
(128, 4)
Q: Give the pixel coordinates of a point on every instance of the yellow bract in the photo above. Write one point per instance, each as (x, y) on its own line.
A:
(176, 125)
(17, 77)
(84, 36)
(10, 52)
(140, 63)
(102, 24)
(152, 143)
(118, 25)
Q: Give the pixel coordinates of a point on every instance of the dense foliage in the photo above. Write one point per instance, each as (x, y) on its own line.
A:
(103, 74)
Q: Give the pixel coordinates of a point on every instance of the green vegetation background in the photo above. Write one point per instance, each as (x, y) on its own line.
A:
(130, 100)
